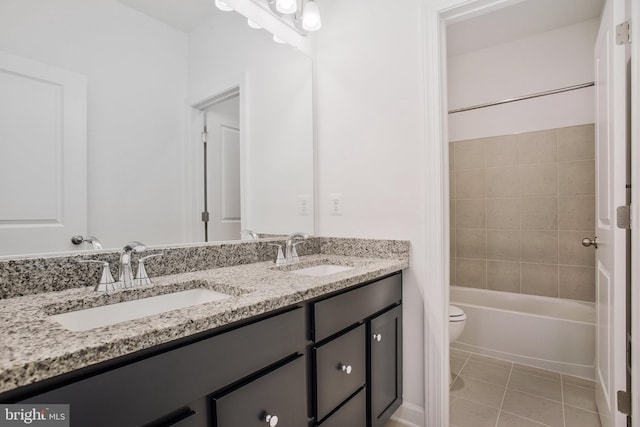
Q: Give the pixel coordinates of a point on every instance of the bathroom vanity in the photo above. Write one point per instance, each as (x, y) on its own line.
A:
(284, 349)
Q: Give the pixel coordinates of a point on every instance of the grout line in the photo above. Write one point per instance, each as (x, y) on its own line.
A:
(564, 416)
(582, 409)
(504, 395)
(528, 419)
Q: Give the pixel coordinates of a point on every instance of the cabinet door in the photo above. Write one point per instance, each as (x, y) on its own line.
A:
(277, 398)
(385, 365)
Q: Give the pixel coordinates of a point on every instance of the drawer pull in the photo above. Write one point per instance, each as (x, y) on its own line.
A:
(272, 420)
(345, 368)
(377, 337)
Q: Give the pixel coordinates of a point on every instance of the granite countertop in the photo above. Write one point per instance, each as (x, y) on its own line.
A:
(34, 347)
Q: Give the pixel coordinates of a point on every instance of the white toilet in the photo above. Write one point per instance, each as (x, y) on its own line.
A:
(457, 320)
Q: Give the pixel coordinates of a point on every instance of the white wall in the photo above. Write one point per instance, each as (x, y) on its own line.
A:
(136, 77)
(550, 60)
(280, 116)
(370, 141)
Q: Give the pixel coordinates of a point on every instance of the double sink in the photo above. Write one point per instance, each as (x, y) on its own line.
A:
(90, 318)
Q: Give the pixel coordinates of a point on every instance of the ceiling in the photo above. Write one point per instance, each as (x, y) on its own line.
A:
(520, 20)
(185, 15)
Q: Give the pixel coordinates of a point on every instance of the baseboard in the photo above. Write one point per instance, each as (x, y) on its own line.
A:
(409, 415)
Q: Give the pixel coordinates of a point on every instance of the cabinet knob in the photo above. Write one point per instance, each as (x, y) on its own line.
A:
(345, 368)
(272, 420)
(377, 337)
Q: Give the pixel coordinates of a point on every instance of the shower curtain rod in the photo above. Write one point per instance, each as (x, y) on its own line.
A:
(522, 98)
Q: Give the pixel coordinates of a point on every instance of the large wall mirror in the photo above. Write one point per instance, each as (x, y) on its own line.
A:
(101, 120)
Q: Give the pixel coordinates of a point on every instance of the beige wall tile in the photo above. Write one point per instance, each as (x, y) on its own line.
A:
(503, 182)
(576, 143)
(576, 213)
(452, 272)
(577, 178)
(539, 279)
(452, 185)
(451, 156)
(503, 213)
(571, 251)
(538, 147)
(469, 154)
(470, 184)
(539, 246)
(471, 244)
(539, 213)
(539, 180)
(471, 273)
(471, 214)
(577, 283)
(503, 276)
(452, 241)
(503, 245)
(502, 151)
(452, 213)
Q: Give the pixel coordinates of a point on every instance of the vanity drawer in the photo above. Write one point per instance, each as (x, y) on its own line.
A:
(351, 414)
(340, 369)
(144, 390)
(280, 393)
(338, 312)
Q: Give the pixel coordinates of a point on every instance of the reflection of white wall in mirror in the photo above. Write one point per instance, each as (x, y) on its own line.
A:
(279, 107)
(134, 150)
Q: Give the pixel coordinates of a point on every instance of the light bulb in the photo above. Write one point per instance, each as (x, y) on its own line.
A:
(220, 4)
(278, 40)
(311, 20)
(287, 6)
(253, 25)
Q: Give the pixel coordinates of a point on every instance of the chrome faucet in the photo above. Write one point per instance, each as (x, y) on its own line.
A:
(125, 272)
(291, 255)
(252, 234)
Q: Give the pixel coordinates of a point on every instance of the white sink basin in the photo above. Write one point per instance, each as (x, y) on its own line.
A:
(106, 315)
(322, 270)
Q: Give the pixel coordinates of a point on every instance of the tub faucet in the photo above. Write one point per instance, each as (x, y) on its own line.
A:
(291, 255)
(125, 272)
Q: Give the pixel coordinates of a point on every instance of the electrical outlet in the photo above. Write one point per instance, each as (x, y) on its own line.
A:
(335, 204)
(305, 205)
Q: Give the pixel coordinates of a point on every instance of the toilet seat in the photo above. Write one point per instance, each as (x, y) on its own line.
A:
(456, 314)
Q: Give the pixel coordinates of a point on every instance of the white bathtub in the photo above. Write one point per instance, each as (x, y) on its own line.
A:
(549, 333)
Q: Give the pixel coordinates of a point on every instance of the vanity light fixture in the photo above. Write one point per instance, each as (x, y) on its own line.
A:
(311, 20)
(253, 24)
(220, 4)
(287, 7)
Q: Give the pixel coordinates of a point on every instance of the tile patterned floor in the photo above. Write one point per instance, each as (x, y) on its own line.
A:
(496, 393)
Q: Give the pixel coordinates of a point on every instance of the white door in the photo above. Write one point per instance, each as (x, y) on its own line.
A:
(611, 172)
(43, 135)
(223, 175)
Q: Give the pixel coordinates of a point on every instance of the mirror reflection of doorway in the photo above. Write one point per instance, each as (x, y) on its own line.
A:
(222, 205)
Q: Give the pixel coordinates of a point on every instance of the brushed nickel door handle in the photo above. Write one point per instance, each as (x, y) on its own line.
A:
(590, 242)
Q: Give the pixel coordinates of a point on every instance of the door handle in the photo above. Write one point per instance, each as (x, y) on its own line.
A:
(590, 242)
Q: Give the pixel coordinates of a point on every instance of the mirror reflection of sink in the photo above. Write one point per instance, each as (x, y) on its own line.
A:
(106, 315)
(322, 270)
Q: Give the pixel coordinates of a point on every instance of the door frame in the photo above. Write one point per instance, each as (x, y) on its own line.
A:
(193, 183)
(435, 15)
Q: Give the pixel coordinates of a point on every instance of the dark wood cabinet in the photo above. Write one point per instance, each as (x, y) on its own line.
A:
(363, 324)
(319, 363)
(385, 364)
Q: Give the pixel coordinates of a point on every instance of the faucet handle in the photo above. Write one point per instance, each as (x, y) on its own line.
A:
(280, 257)
(142, 278)
(106, 280)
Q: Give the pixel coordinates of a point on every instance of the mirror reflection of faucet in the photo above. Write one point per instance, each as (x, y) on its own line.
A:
(93, 241)
(252, 235)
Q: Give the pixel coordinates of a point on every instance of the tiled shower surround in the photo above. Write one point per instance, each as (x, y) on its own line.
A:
(520, 207)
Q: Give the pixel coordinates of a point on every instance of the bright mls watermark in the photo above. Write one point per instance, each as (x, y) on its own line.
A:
(34, 415)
